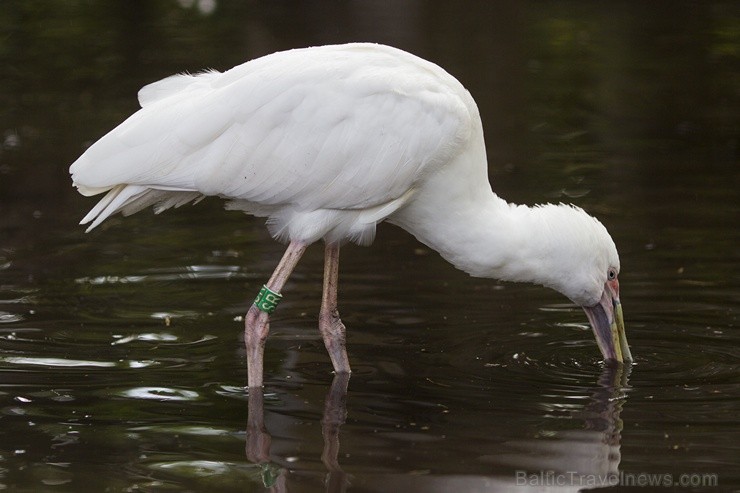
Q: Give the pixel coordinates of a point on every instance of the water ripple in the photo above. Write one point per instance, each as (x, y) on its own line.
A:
(7, 317)
(159, 394)
(60, 362)
(190, 272)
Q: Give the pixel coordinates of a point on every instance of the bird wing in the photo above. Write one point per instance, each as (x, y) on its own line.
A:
(340, 127)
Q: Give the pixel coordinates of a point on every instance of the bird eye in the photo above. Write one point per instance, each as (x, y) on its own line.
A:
(612, 274)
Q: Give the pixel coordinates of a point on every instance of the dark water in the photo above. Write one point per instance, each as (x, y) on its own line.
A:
(121, 357)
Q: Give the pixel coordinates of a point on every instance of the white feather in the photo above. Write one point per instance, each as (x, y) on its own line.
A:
(329, 141)
(282, 131)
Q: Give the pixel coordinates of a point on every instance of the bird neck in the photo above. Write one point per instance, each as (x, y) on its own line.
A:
(488, 237)
(457, 214)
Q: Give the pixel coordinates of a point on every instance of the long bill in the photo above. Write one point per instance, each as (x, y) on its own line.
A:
(607, 323)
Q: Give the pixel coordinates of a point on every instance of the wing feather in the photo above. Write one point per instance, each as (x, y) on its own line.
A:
(297, 131)
(172, 85)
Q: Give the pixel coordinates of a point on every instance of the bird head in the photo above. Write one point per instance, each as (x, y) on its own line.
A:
(583, 264)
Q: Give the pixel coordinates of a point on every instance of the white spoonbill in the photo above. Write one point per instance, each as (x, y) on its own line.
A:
(326, 142)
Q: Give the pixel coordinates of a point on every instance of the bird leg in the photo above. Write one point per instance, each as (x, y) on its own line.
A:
(257, 321)
(331, 326)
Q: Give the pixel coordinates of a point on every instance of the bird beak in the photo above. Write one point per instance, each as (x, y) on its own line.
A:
(608, 324)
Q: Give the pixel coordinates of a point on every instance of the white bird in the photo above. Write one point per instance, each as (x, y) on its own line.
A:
(327, 142)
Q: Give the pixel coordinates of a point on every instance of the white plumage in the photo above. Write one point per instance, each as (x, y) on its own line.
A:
(329, 141)
(298, 136)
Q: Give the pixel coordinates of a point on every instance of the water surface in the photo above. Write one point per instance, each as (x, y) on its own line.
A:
(122, 365)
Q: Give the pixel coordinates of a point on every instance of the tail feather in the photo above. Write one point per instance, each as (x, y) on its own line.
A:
(113, 201)
(102, 204)
(129, 199)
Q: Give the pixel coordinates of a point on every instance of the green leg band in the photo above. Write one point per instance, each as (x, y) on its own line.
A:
(267, 300)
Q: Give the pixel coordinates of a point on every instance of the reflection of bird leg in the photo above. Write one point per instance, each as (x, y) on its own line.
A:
(259, 441)
(335, 413)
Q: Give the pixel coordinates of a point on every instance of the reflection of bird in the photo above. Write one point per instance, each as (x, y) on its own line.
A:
(259, 440)
(576, 458)
(567, 458)
(327, 142)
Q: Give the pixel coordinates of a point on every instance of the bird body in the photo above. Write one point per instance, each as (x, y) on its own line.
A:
(327, 142)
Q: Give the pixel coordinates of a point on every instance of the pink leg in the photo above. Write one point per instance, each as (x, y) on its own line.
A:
(331, 326)
(257, 323)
